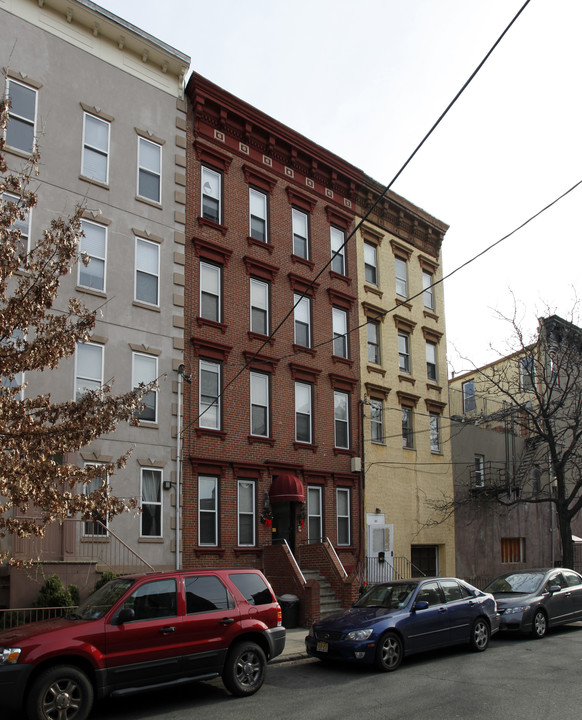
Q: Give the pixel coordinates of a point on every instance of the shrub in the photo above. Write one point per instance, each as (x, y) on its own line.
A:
(54, 594)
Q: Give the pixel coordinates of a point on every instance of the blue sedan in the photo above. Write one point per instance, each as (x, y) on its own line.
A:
(395, 619)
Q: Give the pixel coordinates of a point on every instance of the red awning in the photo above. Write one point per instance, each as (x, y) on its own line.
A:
(287, 488)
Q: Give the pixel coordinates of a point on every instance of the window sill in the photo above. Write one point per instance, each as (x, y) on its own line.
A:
(407, 379)
(204, 222)
(209, 432)
(302, 261)
(147, 424)
(19, 153)
(151, 203)
(430, 314)
(145, 306)
(253, 242)
(203, 322)
(253, 439)
(402, 302)
(90, 291)
(374, 290)
(344, 451)
(304, 349)
(342, 360)
(434, 386)
(338, 276)
(262, 338)
(151, 540)
(376, 369)
(305, 446)
(95, 538)
(92, 181)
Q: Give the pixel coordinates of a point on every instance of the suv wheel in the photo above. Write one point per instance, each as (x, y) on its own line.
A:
(63, 691)
(244, 669)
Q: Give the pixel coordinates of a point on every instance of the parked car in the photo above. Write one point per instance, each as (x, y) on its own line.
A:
(142, 631)
(395, 619)
(531, 601)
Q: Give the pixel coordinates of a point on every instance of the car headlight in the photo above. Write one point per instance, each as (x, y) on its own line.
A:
(359, 635)
(519, 609)
(9, 656)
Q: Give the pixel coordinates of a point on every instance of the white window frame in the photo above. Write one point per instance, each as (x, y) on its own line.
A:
(479, 470)
(258, 211)
(158, 504)
(243, 483)
(211, 290)
(341, 418)
(207, 175)
(93, 257)
(87, 490)
(144, 170)
(469, 399)
(304, 388)
(137, 379)
(100, 151)
(337, 239)
(314, 514)
(434, 420)
(340, 332)
(376, 421)
(300, 222)
(407, 427)
(260, 291)
(404, 362)
(13, 115)
(371, 263)
(401, 272)
(431, 361)
(373, 335)
(96, 382)
(344, 518)
(140, 269)
(205, 409)
(526, 373)
(302, 317)
(428, 290)
(208, 511)
(260, 385)
(22, 225)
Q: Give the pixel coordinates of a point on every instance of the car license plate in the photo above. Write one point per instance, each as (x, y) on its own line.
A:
(322, 647)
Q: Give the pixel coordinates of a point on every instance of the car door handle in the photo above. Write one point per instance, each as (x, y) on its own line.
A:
(442, 610)
(167, 630)
(227, 621)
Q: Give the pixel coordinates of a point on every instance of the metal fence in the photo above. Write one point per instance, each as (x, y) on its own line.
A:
(23, 616)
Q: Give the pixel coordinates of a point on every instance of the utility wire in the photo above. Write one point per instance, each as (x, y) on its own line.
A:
(380, 197)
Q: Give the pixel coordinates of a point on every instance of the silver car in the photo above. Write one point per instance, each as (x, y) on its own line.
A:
(531, 601)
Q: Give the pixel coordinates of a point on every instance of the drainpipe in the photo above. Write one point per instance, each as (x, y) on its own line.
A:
(181, 377)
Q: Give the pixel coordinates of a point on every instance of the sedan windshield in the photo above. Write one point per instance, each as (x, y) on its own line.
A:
(516, 583)
(389, 595)
(101, 601)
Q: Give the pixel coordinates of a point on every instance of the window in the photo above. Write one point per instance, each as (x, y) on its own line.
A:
(20, 130)
(513, 550)
(454, 591)
(89, 368)
(259, 307)
(343, 516)
(370, 263)
(252, 587)
(94, 246)
(211, 194)
(300, 234)
(435, 432)
(341, 412)
(407, 431)
(469, 396)
(302, 320)
(205, 593)
(246, 512)
(145, 370)
(340, 329)
(376, 421)
(373, 329)
(207, 510)
(401, 277)
(95, 148)
(260, 404)
(92, 528)
(153, 601)
(526, 373)
(431, 361)
(303, 407)
(314, 515)
(258, 215)
(479, 471)
(338, 251)
(210, 287)
(404, 352)
(428, 290)
(151, 503)
(21, 224)
(149, 170)
(16, 341)
(147, 271)
(209, 400)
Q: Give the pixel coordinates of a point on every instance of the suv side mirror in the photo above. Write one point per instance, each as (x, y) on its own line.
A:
(125, 615)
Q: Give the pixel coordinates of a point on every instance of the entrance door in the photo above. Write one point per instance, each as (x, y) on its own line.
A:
(425, 560)
(284, 523)
(380, 555)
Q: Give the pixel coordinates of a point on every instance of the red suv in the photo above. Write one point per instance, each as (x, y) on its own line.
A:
(141, 631)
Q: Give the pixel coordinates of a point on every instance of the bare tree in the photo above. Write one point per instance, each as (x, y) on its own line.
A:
(35, 433)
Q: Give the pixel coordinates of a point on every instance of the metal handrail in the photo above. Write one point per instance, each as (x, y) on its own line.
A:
(131, 551)
(337, 557)
(294, 561)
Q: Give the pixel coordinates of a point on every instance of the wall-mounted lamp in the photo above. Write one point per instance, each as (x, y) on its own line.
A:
(167, 484)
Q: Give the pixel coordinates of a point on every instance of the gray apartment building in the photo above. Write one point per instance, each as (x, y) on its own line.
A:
(104, 103)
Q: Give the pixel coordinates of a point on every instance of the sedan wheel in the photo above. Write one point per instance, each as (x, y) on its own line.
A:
(389, 652)
(540, 625)
(480, 635)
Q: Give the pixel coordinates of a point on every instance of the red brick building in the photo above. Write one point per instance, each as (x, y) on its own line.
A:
(271, 417)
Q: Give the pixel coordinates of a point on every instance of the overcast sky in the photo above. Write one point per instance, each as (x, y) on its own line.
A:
(368, 79)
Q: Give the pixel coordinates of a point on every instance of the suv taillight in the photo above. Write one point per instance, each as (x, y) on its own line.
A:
(279, 616)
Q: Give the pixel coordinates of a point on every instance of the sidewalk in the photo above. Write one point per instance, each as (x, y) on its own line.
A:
(294, 646)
